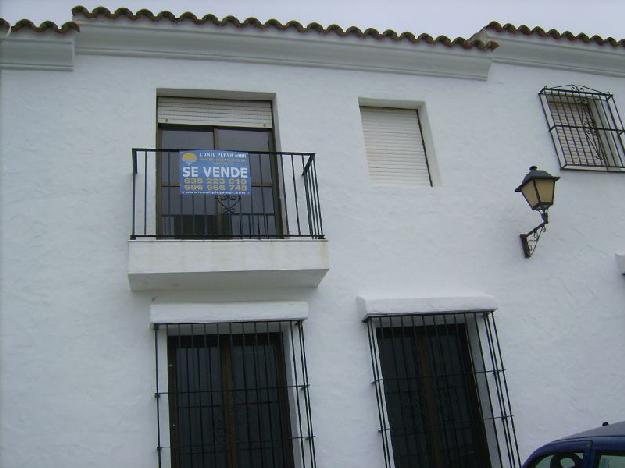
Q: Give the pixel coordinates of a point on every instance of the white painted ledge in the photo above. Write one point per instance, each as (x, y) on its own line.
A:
(373, 306)
(37, 51)
(620, 261)
(227, 312)
(226, 264)
(206, 42)
(559, 54)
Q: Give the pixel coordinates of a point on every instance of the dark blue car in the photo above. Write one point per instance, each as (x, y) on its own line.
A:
(603, 447)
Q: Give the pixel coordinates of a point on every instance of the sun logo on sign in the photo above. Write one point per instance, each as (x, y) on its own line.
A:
(189, 158)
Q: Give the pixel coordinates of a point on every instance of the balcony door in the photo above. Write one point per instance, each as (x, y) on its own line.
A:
(201, 124)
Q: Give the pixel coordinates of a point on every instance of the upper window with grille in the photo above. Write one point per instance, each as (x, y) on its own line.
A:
(395, 149)
(585, 126)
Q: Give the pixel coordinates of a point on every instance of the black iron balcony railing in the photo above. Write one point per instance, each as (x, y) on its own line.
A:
(283, 200)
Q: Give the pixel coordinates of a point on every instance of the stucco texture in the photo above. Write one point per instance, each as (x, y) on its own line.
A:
(76, 350)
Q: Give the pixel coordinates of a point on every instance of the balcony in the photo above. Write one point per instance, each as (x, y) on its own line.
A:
(267, 234)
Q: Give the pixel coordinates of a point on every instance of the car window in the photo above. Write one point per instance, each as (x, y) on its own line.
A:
(611, 460)
(560, 460)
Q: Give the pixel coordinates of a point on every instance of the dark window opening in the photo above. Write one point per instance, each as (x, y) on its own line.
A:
(278, 199)
(585, 127)
(201, 216)
(237, 396)
(441, 392)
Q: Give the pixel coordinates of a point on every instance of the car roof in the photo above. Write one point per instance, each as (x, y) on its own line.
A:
(610, 437)
(611, 430)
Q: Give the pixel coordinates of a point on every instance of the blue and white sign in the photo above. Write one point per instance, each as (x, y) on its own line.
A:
(214, 172)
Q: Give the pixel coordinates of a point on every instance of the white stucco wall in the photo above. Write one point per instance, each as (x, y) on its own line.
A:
(76, 350)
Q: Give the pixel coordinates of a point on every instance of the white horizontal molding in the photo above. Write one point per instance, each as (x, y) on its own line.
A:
(37, 51)
(226, 264)
(620, 261)
(206, 42)
(388, 306)
(227, 312)
(558, 54)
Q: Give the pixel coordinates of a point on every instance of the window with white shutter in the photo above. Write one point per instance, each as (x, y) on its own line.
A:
(217, 124)
(396, 152)
(585, 126)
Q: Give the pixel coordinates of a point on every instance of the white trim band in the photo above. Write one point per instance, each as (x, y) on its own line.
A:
(368, 306)
(227, 312)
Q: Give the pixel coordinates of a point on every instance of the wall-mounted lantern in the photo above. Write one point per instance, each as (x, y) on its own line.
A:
(538, 189)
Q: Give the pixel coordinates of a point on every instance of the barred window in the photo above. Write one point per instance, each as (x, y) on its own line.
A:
(585, 126)
(233, 395)
(441, 391)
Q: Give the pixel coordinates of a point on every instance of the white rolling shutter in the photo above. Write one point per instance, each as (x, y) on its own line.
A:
(218, 112)
(395, 151)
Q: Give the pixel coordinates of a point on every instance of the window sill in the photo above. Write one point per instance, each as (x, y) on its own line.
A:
(258, 311)
(452, 304)
(594, 169)
(226, 264)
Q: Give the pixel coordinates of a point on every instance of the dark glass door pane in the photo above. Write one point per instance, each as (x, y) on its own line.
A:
(198, 404)
(179, 139)
(250, 141)
(183, 215)
(260, 403)
(405, 397)
(431, 400)
(228, 402)
(257, 214)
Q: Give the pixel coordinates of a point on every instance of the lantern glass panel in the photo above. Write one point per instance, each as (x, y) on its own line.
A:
(539, 193)
(530, 194)
(545, 189)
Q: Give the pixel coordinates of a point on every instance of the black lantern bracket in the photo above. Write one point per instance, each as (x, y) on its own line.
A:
(530, 240)
(538, 189)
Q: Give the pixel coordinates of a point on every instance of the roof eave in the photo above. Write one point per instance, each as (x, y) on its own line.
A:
(101, 13)
(187, 40)
(545, 51)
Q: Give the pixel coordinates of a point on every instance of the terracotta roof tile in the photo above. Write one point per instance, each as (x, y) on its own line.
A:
(101, 12)
(27, 25)
(474, 42)
(554, 34)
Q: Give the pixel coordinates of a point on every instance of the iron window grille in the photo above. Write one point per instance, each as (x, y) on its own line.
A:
(585, 127)
(233, 395)
(441, 391)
